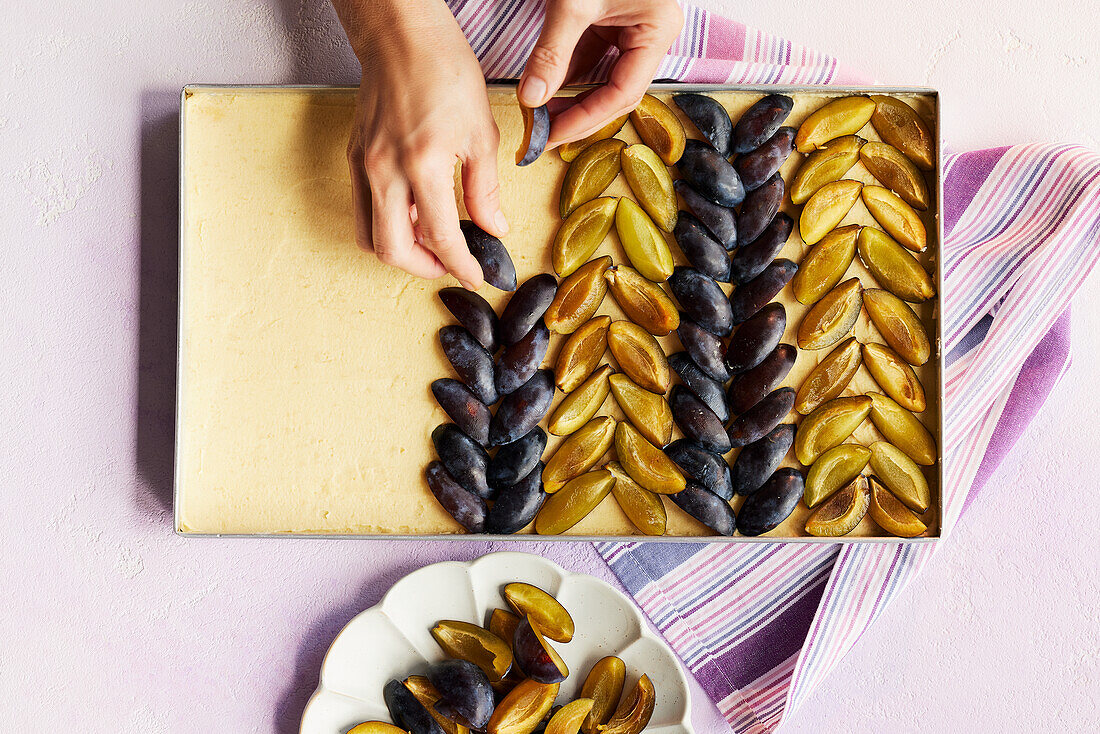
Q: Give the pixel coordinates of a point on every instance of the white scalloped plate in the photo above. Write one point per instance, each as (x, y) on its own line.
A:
(392, 639)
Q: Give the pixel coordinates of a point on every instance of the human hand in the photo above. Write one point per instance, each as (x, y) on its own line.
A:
(575, 36)
(422, 107)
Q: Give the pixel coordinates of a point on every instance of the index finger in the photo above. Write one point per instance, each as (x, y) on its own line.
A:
(628, 81)
(437, 214)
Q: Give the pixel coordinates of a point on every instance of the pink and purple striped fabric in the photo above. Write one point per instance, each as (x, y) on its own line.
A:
(761, 625)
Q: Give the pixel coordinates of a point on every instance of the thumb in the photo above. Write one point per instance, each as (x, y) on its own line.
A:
(549, 62)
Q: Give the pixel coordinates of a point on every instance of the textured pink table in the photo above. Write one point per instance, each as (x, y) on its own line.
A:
(110, 623)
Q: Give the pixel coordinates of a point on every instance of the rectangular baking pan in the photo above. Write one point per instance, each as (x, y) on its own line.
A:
(936, 395)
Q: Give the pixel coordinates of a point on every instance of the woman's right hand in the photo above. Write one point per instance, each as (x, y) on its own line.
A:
(575, 37)
(422, 107)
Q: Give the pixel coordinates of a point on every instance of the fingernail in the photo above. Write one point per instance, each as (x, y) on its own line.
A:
(467, 285)
(534, 89)
(502, 222)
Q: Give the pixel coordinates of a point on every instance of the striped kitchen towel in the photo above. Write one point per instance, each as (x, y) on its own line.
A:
(760, 624)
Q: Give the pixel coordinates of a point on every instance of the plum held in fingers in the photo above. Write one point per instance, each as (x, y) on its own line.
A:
(465, 688)
(757, 166)
(519, 362)
(749, 298)
(536, 131)
(719, 220)
(706, 507)
(710, 117)
(526, 307)
(759, 460)
(520, 412)
(463, 407)
(759, 209)
(697, 421)
(702, 300)
(464, 506)
(703, 251)
(407, 711)
(491, 254)
(711, 175)
(767, 508)
(759, 122)
(517, 505)
(756, 338)
(757, 422)
(705, 467)
(699, 382)
(706, 349)
(463, 458)
(471, 361)
(752, 259)
(516, 460)
(749, 388)
(475, 314)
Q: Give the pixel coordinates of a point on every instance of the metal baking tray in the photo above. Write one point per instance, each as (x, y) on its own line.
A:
(934, 223)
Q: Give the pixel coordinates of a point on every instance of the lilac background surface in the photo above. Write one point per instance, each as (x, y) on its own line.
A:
(111, 623)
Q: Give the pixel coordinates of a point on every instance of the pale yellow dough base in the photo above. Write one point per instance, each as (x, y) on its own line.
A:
(305, 368)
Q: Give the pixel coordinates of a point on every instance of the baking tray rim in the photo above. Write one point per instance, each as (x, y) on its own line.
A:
(189, 89)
